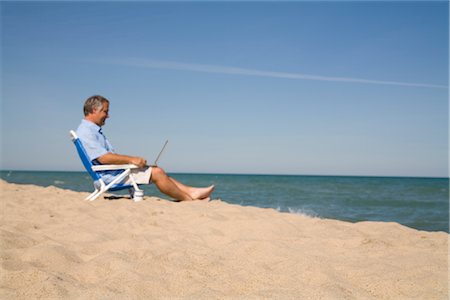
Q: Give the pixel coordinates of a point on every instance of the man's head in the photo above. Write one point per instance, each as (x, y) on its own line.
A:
(96, 109)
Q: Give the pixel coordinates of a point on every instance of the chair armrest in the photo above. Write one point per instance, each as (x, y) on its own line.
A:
(113, 167)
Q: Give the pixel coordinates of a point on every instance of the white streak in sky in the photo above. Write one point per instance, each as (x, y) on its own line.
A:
(170, 65)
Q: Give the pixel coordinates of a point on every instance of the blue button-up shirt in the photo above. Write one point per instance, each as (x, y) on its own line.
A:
(94, 141)
(96, 145)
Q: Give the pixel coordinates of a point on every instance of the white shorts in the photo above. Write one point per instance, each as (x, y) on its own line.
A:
(141, 175)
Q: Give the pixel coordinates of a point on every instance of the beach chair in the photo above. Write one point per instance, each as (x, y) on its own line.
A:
(99, 185)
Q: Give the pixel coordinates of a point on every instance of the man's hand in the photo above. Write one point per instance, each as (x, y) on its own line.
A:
(138, 161)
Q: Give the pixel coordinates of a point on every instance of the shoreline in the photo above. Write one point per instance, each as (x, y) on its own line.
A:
(351, 199)
(55, 244)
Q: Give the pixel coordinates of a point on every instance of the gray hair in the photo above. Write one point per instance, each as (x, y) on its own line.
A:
(93, 103)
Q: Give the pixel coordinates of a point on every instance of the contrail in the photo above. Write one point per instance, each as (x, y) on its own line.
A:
(171, 65)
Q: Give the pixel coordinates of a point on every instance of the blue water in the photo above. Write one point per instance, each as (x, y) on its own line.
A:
(421, 203)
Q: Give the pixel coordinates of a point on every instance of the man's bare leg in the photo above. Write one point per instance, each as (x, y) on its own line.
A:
(167, 186)
(195, 193)
(176, 189)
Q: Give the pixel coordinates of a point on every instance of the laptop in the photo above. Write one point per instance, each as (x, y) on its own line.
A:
(159, 155)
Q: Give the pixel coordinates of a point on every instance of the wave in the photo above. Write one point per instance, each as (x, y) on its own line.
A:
(304, 212)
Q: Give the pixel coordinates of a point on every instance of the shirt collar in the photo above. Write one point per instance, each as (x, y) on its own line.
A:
(92, 125)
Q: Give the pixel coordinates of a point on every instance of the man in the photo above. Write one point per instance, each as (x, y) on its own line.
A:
(100, 151)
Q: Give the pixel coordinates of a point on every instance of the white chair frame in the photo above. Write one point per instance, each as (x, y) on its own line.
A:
(93, 169)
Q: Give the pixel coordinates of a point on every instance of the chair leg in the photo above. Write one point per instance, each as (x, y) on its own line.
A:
(97, 194)
(91, 195)
(104, 188)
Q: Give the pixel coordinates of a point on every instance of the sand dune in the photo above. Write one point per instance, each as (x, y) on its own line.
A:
(56, 245)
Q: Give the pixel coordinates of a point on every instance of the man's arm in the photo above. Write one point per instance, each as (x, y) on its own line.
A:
(118, 159)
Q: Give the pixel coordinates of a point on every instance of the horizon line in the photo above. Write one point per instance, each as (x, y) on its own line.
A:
(254, 174)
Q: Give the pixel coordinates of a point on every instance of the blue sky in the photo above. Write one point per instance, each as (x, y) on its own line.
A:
(326, 88)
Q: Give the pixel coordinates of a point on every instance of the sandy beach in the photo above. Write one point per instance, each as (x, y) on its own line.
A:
(56, 245)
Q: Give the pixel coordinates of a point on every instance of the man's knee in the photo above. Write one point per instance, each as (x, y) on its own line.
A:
(157, 173)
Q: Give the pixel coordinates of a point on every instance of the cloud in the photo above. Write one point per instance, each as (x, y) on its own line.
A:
(171, 65)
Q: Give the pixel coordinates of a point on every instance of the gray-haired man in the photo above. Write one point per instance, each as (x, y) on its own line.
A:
(100, 151)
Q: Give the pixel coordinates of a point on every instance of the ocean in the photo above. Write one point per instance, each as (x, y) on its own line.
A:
(420, 203)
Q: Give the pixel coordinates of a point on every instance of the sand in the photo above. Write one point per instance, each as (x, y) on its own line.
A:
(56, 245)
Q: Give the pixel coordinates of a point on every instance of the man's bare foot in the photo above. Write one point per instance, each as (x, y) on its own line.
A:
(203, 199)
(202, 193)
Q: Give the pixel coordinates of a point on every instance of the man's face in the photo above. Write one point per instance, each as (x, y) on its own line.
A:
(99, 116)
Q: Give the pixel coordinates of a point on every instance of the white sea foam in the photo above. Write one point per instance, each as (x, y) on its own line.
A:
(303, 212)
